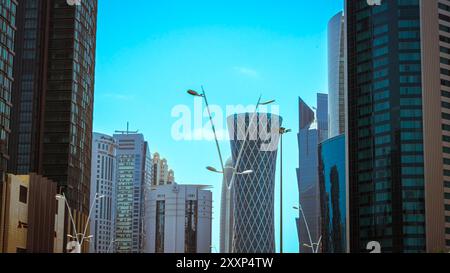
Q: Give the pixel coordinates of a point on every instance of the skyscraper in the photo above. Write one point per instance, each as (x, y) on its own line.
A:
(161, 175)
(51, 121)
(336, 73)
(253, 220)
(103, 182)
(133, 181)
(226, 210)
(179, 219)
(398, 124)
(333, 195)
(7, 38)
(313, 130)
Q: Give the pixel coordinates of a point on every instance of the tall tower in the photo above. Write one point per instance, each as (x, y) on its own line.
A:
(226, 210)
(133, 182)
(51, 121)
(253, 223)
(336, 73)
(7, 34)
(161, 175)
(313, 130)
(399, 124)
(103, 182)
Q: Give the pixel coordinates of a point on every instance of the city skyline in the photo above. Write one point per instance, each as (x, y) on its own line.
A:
(236, 51)
(203, 111)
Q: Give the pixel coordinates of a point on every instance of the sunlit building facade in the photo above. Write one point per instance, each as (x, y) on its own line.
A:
(227, 209)
(103, 183)
(253, 217)
(179, 219)
(336, 75)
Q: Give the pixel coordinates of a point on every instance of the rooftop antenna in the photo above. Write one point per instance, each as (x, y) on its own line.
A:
(127, 132)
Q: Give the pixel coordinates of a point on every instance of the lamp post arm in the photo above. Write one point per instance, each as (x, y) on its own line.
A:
(307, 227)
(88, 219)
(71, 217)
(213, 128)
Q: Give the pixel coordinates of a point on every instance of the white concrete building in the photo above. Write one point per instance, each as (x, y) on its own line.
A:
(103, 182)
(179, 219)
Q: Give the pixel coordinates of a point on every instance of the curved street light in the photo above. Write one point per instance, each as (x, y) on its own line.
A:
(214, 170)
(75, 233)
(312, 244)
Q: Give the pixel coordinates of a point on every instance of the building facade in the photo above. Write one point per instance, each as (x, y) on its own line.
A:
(51, 121)
(226, 209)
(253, 217)
(333, 195)
(7, 46)
(161, 175)
(313, 130)
(103, 182)
(132, 184)
(30, 219)
(179, 219)
(397, 64)
(336, 75)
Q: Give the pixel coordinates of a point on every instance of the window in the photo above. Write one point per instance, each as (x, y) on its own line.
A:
(23, 194)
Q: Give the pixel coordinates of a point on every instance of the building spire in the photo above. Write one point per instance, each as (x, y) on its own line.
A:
(127, 132)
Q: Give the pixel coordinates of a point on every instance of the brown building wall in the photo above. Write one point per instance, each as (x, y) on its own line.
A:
(433, 144)
(28, 225)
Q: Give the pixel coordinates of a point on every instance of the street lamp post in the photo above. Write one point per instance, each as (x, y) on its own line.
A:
(79, 242)
(282, 131)
(259, 103)
(312, 244)
(203, 95)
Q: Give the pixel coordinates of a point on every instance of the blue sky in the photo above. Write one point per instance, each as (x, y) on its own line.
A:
(149, 52)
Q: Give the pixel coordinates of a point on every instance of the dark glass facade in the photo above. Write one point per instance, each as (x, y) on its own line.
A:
(253, 220)
(53, 94)
(7, 37)
(333, 195)
(313, 130)
(385, 134)
(160, 226)
(190, 227)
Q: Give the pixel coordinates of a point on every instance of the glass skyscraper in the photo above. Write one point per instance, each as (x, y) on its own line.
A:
(53, 94)
(253, 221)
(7, 38)
(398, 125)
(336, 73)
(133, 176)
(333, 196)
(313, 130)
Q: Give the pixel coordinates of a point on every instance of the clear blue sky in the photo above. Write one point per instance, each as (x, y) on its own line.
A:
(150, 51)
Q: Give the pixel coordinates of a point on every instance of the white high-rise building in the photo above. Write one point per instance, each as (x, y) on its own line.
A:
(226, 210)
(133, 182)
(103, 182)
(179, 219)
